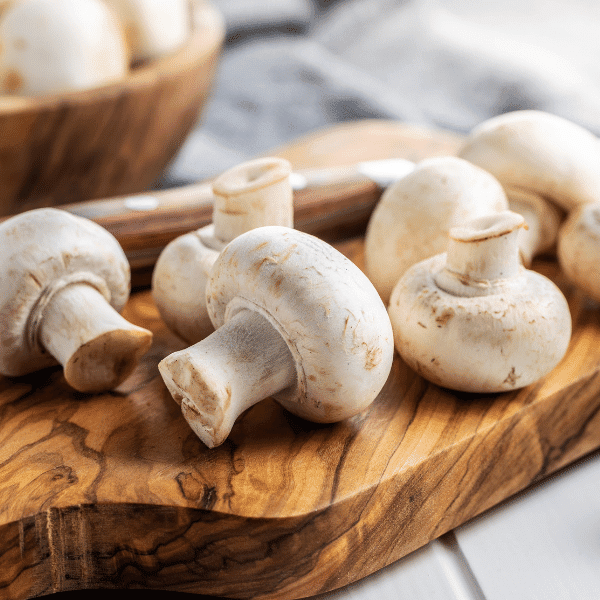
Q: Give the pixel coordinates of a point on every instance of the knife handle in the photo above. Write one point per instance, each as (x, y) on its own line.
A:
(333, 204)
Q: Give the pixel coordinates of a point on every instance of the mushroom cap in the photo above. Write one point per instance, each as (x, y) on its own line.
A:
(153, 27)
(179, 280)
(42, 251)
(488, 343)
(324, 307)
(540, 152)
(413, 217)
(51, 46)
(579, 249)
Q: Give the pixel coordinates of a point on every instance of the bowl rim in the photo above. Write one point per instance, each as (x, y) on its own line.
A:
(207, 36)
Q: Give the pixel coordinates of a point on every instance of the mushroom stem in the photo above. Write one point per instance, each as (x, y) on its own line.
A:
(215, 380)
(543, 221)
(95, 345)
(530, 237)
(481, 254)
(579, 248)
(253, 194)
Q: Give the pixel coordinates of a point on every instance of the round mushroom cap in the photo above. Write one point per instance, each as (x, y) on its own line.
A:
(324, 307)
(539, 152)
(178, 280)
(485, 343)
(41, 252)
(51, 46)
(412, 219)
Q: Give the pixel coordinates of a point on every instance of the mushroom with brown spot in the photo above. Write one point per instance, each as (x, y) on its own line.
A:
(253, 194)
(64, 280)
(55, 46)
(474, 319)
(295, 320)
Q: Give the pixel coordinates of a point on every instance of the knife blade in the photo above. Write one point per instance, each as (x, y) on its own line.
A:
(332, 203)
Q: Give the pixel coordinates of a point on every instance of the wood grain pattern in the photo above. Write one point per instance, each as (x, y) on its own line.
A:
(111, 140)
(114, 490)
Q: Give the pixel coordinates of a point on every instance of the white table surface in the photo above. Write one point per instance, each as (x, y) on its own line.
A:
(542, 544)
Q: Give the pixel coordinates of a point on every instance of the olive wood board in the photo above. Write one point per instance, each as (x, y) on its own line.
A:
(115, 491)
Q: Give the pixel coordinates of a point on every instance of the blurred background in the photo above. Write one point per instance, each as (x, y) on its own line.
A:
(292, 66)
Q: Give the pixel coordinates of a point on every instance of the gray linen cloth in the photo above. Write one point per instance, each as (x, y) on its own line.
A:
(292, 66)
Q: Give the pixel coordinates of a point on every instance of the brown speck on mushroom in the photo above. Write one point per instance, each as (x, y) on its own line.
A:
(35, 280)
(446, 315)
(259, 247)
(285, 256)
(511, 378)
(373, 357)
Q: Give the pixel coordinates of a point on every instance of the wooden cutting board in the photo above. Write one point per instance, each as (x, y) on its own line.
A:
(114, 490)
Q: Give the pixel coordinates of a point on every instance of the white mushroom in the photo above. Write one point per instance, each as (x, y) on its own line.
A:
(52, 46)
(579, 249)
(539, 152)
(295, 320)
(474, 319)
(62, 280)
(153, 27)
(253, 194)
(553, 158)
(412, 219)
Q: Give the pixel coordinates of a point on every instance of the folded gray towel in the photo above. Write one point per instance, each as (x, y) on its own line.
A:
(292, 66)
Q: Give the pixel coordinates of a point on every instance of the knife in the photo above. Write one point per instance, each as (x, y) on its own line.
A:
(333, 204)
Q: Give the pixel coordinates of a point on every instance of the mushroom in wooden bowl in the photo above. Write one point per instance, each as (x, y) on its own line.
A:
(107, 139)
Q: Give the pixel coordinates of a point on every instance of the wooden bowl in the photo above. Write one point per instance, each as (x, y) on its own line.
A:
(111, 140)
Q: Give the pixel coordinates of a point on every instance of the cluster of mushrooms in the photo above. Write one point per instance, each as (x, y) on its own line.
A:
(269, 311)
(57, 46)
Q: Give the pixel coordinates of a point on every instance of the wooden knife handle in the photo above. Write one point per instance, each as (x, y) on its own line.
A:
(335, 204)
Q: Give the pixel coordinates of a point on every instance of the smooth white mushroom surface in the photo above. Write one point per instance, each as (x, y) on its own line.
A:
(579, 249)
(253, 194)
(52, 46)
(153, 28)
(412, 219)
(474, 319)
(543, 220)
(539, 152)
(63, 281)
(295, 320)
